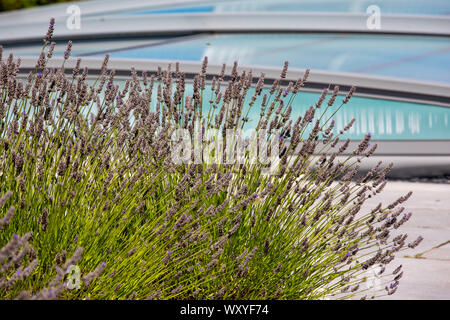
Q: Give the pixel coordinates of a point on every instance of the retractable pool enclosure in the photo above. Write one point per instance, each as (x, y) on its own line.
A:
(401, 69)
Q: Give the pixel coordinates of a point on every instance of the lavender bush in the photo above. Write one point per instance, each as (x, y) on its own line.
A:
(91, 165)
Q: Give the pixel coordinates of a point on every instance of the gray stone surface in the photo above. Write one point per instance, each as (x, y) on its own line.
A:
(440, 253)
(427, 267)
(424, 279)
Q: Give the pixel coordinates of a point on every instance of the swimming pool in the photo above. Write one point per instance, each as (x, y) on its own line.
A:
(419, 58)
(383, 119)
(428, 7)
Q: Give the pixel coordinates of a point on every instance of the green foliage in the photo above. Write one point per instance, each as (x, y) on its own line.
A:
(89, 165)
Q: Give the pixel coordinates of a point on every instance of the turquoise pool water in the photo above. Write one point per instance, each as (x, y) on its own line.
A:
(385, 120)
(429, 7)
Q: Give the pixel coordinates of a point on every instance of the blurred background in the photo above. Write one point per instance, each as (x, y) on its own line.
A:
(397, 52)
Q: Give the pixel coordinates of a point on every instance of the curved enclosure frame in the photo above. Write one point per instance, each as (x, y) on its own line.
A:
(400, 69)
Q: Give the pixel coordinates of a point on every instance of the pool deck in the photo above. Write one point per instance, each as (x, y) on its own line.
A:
(427, 267)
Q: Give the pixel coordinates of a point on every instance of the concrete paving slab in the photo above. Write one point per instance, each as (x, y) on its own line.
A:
(439, 253)
(431, 238)
(423, 279)
(428, 218)
(427, 267)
